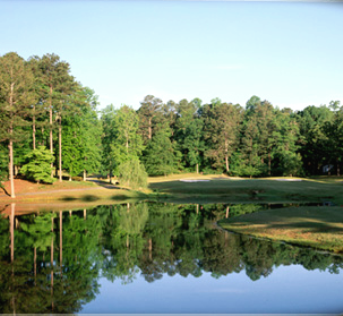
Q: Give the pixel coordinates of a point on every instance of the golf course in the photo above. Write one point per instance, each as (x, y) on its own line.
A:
(305, 212)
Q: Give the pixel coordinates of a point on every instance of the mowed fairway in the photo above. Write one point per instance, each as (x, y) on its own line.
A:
(318, 227)
(255, 190)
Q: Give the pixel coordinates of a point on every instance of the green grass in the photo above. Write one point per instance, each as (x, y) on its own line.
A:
(318, 227)
(254, 190)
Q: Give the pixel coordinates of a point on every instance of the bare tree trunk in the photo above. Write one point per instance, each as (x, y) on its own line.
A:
(269, 164)
(60, 148)
(227, 212)
(13, 306)
(84, 214)
(12, 230)
(10, 147)
(34, 128)
(150, 129)
(197, 209)
(50, 121)
(61, 243)
(226, 156)
(10, 165)
(84, 175)
(338, 168)
(150, 249)
(197, 168)
(52, 263)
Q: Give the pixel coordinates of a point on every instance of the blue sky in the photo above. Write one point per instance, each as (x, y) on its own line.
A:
(289, 53)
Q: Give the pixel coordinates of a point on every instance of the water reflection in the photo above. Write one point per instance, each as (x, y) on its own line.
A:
(53, 261)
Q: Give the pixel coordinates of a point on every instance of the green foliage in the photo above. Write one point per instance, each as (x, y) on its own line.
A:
(72, 158)
(3, 163)
(38, 165)
(160, 158)
(132, 174)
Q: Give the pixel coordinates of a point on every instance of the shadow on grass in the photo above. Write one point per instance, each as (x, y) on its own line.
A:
(136, 196)
(309, 227)
(107, 185)
(84, 198)
(5, 191)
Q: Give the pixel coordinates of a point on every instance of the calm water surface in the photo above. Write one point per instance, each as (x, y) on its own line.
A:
(157, 258)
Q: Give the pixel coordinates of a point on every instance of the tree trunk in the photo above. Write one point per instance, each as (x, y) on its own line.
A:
(226, 155)
(50, 121)
(52, 263)
(34, 128)
(60, 148)
(150, 249)
(227, 212)
(85, 214)
(197, 209)
(227, 163)
(61, 241)
(10, 146)
(12, 230)
(150, 129)
(10, 165)
(338, 168)
(197, 168)
(269, 164)
(84, 175)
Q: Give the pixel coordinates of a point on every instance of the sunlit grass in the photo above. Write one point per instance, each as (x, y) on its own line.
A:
(319, 227)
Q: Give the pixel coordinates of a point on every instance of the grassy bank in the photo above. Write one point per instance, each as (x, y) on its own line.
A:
(318, 227)
(68, 191)
(217, 189)
(223, 189)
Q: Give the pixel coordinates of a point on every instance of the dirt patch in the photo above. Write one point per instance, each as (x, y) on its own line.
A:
(25, 187)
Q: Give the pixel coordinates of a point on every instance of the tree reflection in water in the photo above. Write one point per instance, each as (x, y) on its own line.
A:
(52, 262)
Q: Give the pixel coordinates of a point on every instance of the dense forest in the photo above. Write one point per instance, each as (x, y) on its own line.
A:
(51, 123)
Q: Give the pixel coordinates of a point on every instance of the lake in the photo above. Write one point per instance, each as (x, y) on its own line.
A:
(157, 258)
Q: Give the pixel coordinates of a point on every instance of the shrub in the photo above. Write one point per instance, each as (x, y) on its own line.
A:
(38, 166)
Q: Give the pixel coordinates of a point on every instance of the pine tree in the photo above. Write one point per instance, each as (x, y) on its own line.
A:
(57, 85)
(150, 115)
(15, 95)
(127, 144)
(222, 123)
(159, 158)
(108, 137)
(90, 132)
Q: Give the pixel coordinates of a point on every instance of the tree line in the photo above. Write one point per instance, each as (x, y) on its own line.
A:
(50, 122)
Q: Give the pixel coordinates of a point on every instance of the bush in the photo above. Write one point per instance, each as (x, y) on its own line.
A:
(133, 175)
(38, 166)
